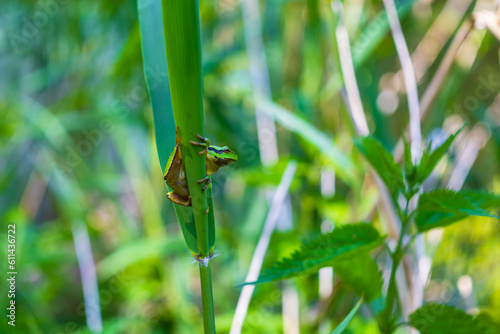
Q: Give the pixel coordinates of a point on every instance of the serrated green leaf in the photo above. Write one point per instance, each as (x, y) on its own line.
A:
(343, 325)
(361, 274)
(489, 322)
(430, 159)
(442, 207)
(383, 162)
(341, 244)
(444, 319)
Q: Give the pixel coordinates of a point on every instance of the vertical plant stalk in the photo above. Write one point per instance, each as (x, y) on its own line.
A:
(207, 298)
(88, 274)
(346, 64)
(416, 297)
(181, 22)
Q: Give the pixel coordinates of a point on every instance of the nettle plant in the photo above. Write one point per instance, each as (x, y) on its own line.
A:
(347, 248)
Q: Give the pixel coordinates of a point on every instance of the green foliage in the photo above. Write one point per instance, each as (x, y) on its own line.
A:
(342, 163)
(181, 24)
(343, 325)
(442, 207)
(444, 319)
(374, 33)
(430, 158)
(134, 252)
(383, 162)
(361, 273)
(80, 148)
(156, 73)
(342, 243)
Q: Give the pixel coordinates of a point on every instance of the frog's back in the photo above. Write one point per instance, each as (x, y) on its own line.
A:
(175, 175)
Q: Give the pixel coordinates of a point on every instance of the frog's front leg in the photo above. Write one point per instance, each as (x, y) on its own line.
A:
(204, 142)
(207, 181)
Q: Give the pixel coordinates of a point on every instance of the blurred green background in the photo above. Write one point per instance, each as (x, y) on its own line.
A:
(79, 167)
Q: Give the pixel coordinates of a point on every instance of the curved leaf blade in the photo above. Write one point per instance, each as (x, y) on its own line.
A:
(342, 163)
(343, 325)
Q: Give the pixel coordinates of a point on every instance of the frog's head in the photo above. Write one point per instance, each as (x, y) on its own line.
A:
(218, 156)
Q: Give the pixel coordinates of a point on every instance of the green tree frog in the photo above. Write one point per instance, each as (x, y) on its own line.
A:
(175, 175)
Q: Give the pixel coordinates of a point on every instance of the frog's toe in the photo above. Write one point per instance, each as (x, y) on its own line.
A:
(207, 181)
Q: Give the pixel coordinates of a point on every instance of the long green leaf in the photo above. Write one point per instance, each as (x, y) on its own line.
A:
(444, 319)
(343, 325)
(342, 163)
(443, 207)
(156, 73)
(383, 162)
(343, 243)
(181, 26)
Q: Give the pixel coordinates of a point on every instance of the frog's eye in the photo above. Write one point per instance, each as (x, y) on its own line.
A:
(226, 150)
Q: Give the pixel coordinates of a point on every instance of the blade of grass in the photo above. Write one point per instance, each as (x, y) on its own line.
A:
(156, 73)
(343, 325)
(342, 163)
(181, 24)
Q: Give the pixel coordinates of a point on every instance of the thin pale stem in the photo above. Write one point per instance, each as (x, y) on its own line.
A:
(260, 250)
(409, 78)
